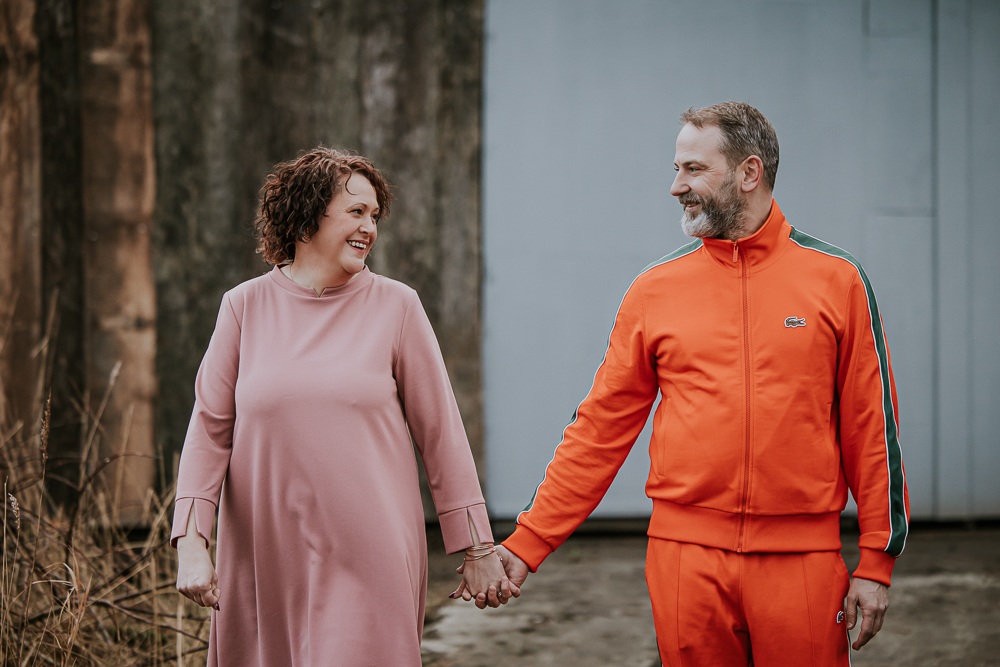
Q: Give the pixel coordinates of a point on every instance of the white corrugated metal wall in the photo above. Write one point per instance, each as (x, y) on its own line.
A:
(888, 114)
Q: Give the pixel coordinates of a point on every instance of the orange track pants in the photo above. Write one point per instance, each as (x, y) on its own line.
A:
(717, 608)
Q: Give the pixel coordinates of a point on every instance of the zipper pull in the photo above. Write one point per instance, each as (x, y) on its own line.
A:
(736, 252)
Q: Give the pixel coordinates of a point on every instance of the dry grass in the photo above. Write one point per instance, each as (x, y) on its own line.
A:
(76, 587)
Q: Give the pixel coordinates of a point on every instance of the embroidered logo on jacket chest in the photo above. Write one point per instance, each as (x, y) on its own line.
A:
(792, 322)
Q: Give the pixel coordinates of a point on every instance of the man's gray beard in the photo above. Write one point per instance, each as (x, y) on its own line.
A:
(721, 215)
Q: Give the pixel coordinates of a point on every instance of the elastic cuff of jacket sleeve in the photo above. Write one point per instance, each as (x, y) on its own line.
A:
(528, 547)
(455, 527)
(875, 565)
(204, 518)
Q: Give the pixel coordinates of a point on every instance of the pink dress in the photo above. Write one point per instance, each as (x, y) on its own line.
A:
(300, 435)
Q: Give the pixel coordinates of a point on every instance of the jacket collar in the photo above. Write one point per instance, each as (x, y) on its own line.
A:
(758, 249)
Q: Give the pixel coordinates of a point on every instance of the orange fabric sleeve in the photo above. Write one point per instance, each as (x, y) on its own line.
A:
(869, 435)
(596, 443)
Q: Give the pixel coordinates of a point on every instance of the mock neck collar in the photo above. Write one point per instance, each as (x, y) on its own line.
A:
(355, 283)
(759, 248)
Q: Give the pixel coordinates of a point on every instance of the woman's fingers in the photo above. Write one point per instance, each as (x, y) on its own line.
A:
(202, 594)
(210, 598)
(458, 591)
(196, 577)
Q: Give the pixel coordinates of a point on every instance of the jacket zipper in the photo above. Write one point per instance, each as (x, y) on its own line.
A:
(744, 501)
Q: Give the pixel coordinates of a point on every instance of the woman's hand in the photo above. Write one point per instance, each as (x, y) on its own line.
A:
(484, 580)
(196, 577)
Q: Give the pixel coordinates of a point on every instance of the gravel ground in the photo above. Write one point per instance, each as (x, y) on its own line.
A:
(588, 607)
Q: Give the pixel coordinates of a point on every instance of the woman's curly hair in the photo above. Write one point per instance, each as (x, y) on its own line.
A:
(297, 194)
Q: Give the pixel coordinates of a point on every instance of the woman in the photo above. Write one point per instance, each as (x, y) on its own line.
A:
(316, 377)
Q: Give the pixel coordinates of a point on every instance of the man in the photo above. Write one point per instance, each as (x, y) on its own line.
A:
(777, 396)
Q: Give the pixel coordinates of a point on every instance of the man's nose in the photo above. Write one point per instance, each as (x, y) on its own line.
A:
(679, 186)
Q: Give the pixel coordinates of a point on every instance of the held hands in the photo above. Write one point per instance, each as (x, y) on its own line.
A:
(873, 598)
(515, 568)
(491, 581)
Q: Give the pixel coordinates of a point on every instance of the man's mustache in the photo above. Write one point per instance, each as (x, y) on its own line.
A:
(690, 198)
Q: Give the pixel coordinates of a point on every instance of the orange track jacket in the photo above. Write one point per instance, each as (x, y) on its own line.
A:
(777, 396)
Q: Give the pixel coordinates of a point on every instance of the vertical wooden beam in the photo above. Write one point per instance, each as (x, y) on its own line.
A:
(118, 197)
(62, 238)
(20, 216)
(458, 207)
(204, 203)
(421, 89)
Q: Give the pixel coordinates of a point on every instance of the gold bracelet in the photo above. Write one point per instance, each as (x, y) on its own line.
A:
(469, 557)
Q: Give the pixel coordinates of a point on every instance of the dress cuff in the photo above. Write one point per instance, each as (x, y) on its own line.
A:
(875, 565)
(455, 527)
(528, 547)
(204, 518)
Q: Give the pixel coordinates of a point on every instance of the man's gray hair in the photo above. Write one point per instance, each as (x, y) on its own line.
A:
(745, 132)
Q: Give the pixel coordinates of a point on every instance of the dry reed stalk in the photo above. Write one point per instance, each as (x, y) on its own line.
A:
(78, 589)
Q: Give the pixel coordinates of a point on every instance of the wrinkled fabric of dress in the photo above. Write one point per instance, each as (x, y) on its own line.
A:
(301, 436)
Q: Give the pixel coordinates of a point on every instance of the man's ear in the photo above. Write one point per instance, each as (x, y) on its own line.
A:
(751, 173)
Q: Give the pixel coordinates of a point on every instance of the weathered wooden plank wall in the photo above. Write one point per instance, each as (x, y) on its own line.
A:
(77, 186)
(118, 196)
(62, 234)
(20, 215)
(92, 216)
(242, 84)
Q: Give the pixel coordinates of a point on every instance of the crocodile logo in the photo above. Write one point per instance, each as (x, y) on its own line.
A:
(792, 322)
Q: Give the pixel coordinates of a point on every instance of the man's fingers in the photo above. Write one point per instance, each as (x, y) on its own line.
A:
(867, 622)
(852, 612)
(493, 596)
(879, 618)
(505, 592)
(481, 600)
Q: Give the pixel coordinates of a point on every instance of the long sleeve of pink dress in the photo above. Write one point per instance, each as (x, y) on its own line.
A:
(301, 436)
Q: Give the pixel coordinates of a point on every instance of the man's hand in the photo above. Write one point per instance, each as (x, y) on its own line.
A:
(516, 569)
(873, 598)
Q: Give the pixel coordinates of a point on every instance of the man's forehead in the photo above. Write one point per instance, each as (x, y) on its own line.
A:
(699, 144)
